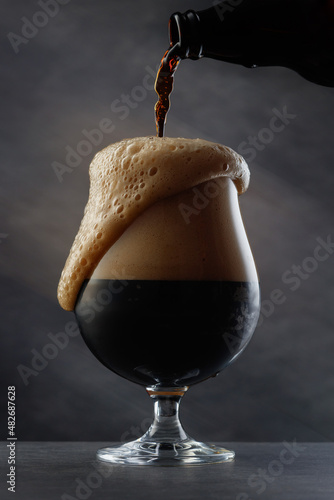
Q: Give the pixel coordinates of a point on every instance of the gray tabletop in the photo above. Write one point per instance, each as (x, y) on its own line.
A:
(68, 470)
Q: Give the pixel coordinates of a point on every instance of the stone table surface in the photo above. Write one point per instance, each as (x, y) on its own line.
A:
(69, 470)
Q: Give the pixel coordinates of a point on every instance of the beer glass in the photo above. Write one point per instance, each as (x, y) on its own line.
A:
(172, 303)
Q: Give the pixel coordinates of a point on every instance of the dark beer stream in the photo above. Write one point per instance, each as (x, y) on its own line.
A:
(164, 87)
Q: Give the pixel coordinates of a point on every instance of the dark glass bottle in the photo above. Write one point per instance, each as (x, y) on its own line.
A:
(297, 34)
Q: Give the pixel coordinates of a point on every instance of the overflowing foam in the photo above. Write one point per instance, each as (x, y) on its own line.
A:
(126, 179)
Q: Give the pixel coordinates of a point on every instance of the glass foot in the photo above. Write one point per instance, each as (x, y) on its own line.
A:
(186, 452)
(165, 442)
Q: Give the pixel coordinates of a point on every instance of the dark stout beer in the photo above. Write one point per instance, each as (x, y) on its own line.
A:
(167, 333)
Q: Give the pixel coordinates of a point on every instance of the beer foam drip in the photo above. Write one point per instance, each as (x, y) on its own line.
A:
(128, 177)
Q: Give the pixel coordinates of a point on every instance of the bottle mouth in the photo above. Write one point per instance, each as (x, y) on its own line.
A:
(184, 34)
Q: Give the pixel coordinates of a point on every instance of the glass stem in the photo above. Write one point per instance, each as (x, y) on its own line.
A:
(166, 426)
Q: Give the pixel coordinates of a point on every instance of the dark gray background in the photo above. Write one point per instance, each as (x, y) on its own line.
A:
(64, 80)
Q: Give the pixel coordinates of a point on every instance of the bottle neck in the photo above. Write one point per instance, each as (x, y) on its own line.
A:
(248, 33)
(184, 35)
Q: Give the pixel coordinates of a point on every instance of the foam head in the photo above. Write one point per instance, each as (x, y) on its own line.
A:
(127, 178)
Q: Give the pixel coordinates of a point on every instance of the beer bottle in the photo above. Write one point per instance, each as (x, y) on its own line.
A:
(296, 34)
